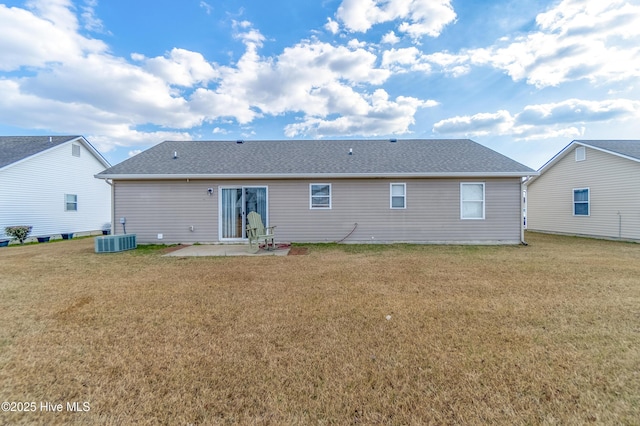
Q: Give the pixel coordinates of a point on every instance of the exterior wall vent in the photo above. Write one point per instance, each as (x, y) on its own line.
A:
(115, 243)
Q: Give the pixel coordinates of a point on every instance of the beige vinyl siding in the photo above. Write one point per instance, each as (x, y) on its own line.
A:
(614, 192)
(432, 212)
(169, 208)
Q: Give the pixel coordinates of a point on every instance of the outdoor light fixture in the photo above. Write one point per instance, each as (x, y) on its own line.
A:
(210, 191)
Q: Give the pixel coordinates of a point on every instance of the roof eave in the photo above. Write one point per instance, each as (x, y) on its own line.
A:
(79, 139)
(93, 150)
(608, 151)
(567, 149)
(313, 175)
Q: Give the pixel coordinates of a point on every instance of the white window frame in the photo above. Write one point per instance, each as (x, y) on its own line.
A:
(581, 153)
(588, 202)
(404, 195)
(67, 202)
(462, 201)
(311, 197)
(75, 150)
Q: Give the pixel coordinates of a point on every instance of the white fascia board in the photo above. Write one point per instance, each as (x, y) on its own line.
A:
(311, 176)
(93, 150)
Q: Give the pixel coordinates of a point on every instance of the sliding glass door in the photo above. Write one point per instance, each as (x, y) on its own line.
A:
(235, 204)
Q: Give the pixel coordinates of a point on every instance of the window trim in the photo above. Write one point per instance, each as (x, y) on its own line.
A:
(588, 202)
(404, 195)
(311, 196)
(67, 203)
(462, 201)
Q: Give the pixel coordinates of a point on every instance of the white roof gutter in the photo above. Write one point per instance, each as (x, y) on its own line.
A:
(311, 175)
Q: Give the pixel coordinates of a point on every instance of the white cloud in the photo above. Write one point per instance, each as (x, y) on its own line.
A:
(76, 85)
(390, 38)
(450, 64)
(542, 121)
(332, 26)
(356, 44)
(405, 59)
(31, 40)
(477, 124)
(89, 18)
(311, 77)
(579, 111)
(380, 117)
(180, 67)
(576, 40)
(207, 7)
(418, 17)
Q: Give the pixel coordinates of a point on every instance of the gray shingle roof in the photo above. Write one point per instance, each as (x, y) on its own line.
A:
(630, 148)
(298, 158)
(16, 148)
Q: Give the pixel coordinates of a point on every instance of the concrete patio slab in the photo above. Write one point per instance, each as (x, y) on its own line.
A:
(225, 250)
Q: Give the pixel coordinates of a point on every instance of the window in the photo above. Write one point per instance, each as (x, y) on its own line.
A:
(581, 153)
(398, 195)
(581, 202)
(472, 200)
(70, 203)
(75, 150)
(320, 196)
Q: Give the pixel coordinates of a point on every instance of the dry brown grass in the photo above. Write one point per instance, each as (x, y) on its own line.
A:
(545, 334)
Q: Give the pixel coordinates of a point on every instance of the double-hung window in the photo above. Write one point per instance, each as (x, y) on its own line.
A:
(472, 200)
(398, 194)
(581, 202)
(320, 196)
(70, 203)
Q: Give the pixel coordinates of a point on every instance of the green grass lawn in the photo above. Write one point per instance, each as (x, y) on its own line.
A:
(397, 334)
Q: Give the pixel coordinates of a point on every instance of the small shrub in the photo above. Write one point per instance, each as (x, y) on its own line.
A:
(20, 233)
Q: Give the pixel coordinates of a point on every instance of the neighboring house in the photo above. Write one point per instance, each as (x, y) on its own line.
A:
(590, 188)
(48, 182)
(423, 191)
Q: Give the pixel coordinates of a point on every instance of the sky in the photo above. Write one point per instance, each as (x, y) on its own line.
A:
(524, 78)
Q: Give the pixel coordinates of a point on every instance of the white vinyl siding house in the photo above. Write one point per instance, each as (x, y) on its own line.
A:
(590, 188)
(54, 189)
(321, 191)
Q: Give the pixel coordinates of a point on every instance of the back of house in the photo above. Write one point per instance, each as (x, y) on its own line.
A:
(433, 191)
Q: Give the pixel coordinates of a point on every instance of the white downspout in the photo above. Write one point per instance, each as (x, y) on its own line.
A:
(522, 205)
